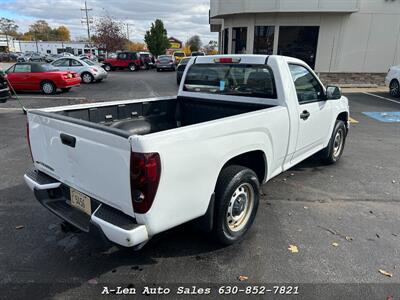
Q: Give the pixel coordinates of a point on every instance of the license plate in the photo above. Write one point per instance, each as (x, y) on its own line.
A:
(80, 201)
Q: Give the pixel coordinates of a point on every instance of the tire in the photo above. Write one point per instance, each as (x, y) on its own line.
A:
(107, 67)
(333, 152)
(132, 67)
(48, 88)
(236, 203)
(87, 77)
(178, 82)
(65, 90)
(394, 88)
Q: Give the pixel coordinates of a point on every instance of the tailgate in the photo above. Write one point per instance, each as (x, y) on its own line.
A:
(87, 159)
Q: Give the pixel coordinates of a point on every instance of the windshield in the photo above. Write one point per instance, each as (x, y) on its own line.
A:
(231, 79)
(88, 61)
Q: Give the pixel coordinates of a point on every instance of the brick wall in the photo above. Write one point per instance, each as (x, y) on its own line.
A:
(353, 79)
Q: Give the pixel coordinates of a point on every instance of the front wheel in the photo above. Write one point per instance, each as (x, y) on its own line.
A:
(394, 88)
(87, 78)
(237, 197)
(333, 152)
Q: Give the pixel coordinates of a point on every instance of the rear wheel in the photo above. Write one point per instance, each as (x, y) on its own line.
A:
(48, 87)
(394, 88)
(333, 152)
(132, 67)
(237, 198)
(107, 67)
(87, 77)
(64, 90)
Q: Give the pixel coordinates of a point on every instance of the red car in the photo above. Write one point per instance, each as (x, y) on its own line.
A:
(124, 60)
(41, 77)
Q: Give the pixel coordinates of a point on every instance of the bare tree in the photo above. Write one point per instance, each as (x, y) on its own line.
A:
(8, 26)
(109, 34)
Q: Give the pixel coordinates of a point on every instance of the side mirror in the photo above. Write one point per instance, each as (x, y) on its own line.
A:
(2, 72)
(333, 92)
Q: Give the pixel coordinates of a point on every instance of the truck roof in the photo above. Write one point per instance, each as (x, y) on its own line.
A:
(243, 58)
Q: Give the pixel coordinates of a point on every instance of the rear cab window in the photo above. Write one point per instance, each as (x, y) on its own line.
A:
(246, 80)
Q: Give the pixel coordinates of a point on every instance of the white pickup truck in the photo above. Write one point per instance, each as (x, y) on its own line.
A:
(131, 169)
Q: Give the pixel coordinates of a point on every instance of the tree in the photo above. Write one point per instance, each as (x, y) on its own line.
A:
(211, 48)
(109, 34)
(156, 38)
(8, 27)
(135, 46)
(194, 43)
(62, 34)
(41, 30)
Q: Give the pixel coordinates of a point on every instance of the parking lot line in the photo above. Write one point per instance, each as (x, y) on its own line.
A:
(380, 97)
(353, 121)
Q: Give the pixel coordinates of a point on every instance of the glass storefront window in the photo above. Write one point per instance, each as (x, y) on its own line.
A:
(239, 40)
(264, 39)
(300, 42)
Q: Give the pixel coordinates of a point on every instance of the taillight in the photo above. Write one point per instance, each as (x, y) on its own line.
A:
(28, 138)
(145, 174)
(68, 76)
(157, 61)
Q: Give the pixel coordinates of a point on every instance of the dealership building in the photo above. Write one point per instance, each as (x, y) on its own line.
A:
(345, 41)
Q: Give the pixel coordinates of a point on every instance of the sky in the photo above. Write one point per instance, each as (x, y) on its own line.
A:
(182, 18)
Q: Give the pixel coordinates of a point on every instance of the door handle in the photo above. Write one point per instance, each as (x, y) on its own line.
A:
(304, 115)
(68, 140)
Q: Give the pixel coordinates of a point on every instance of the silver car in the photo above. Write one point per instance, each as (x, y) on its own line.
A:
(165, 62)
(88, 70)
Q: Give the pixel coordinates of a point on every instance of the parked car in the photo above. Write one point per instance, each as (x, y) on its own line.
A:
(178, 56)
(165, 62)
(181, 69)
(393, 81)
(31, 57)
(86, 69)
(4, 90)
(147, 60)
(198, 53)
(124, 60)
(237, 122)
(51, 57)
(41, 77)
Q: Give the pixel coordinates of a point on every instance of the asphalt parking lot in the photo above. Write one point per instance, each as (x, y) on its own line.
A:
(344, 219)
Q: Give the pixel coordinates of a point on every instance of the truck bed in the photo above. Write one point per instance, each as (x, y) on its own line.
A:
(141, 118)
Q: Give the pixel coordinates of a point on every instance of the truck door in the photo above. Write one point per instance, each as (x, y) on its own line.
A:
(314, 112)
(122, 60)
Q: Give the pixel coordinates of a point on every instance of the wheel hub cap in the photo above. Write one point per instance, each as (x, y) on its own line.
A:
(338, 142)
(240, 207)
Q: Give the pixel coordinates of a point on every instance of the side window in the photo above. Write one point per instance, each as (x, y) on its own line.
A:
(10, 70)
(308, 88)
(22, 69)
(75, 63)
(61, 63)
(122, 56)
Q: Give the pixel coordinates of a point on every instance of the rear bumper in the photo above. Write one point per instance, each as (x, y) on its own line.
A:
(109, 222)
